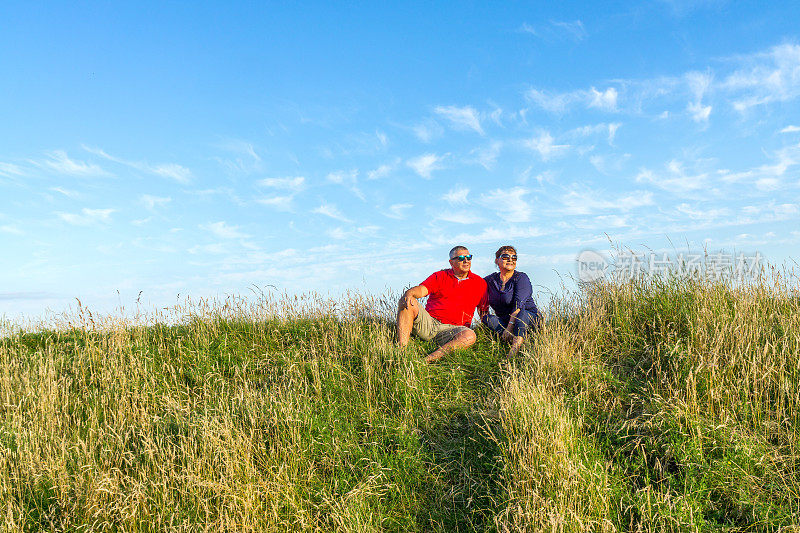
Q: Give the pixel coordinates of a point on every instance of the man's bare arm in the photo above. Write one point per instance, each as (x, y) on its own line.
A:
(420, 291)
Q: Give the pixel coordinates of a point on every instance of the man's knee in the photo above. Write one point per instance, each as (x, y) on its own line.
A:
(412, 306)
(467, 337)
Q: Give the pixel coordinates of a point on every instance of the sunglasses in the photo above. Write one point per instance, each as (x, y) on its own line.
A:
(508, 257)
(462, 258)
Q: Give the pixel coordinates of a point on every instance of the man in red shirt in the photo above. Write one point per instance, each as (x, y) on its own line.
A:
(453, 294)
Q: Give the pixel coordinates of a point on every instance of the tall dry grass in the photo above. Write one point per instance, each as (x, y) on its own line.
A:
(658, 405)
(655, 405)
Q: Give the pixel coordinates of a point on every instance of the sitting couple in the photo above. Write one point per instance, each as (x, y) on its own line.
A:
(454, 293)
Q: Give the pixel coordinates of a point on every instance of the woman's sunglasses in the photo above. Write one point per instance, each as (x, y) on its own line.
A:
(508, 257)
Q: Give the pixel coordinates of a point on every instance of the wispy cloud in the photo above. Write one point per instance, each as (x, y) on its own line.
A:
(66, 192)
(790, 129)
(457, 196)
(60, 162)
(605, 100)
(294, 183)
(152, 202)
(279, 203)
(675, 179)
(493, 235)
(585, 201)
(172, 171)
(554, 102)
(509, 204)
(461, 118)
(10, 170)
(87, 217)
(486, 156)
(11, 229)
(398, 211)
(545, 145)
(458, 217)
(383, 170)
(428, 130)
(347, 179)
(222, 230)
(330, 210)
(772, 76)
(244, 160)
(557, 30)
(426, 164)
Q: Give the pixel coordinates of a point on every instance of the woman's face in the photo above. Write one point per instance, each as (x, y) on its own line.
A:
(507, 260)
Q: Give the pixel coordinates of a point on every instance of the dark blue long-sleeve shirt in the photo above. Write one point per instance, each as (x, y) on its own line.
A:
(517, 294)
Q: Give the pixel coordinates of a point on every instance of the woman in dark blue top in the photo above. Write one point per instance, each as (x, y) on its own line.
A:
(510, 295)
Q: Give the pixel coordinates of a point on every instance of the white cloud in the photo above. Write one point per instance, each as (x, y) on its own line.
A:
(10, 170)
(509, 204)
(427, 131)
(398, 211)
(767, 77)
(545, 145)
(59, 161)
(66, 192)
(584, 201)
(607, 130)
(343, 177)
(222, 230)
(382, 171)
(330, 210)
(605, 100)
(557, 30)
(172, 171)
(458, 217)
(151, 202)
(426, 164)
(609, 164)
(457, 196)
(699, 112)
(675, 179)
(461, 118)
(790, 129)
(87, 217)
(215, 248)
(487, 156)
(346, 178)
(295, 183)
(493, 235)
(552, 102)
(279, 203)
(10, 229)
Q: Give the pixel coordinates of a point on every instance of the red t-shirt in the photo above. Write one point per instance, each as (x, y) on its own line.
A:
(453, 301)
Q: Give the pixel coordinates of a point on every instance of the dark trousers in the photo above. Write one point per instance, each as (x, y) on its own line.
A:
(526, 320)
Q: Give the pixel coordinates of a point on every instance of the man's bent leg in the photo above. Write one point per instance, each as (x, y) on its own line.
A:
(407, 312)
(464, 339)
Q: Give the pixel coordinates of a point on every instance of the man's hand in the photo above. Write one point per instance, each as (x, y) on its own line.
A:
(507, 336)
(405, 301)
(420, 291)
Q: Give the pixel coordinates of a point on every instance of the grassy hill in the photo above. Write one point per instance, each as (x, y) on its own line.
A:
(650, 406)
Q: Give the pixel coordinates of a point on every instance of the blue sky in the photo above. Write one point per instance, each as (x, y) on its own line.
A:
(204, 148)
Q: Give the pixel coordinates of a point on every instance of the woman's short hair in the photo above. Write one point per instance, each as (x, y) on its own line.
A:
(506, 248)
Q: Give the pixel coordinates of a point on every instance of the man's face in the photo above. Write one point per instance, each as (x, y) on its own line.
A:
(461, 267)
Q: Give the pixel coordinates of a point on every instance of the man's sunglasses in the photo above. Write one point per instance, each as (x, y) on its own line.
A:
(462, 258)
(508, 256)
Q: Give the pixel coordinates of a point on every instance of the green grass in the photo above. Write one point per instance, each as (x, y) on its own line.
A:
(666, 405)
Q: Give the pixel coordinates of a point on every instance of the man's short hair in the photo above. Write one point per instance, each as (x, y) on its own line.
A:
(455, 249)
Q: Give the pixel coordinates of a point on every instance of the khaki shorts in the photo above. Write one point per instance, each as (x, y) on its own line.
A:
(430, 329)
